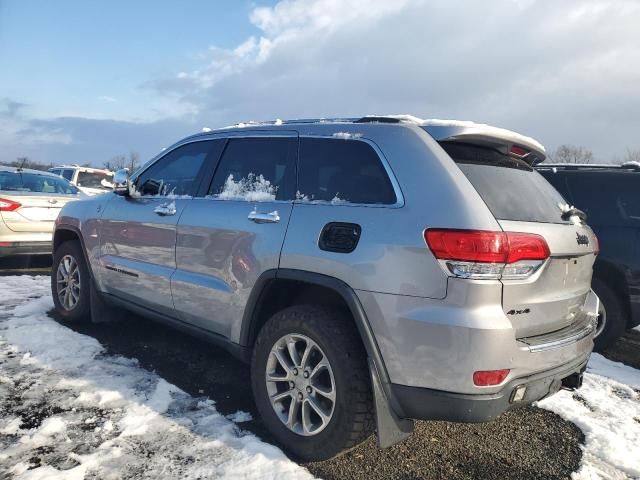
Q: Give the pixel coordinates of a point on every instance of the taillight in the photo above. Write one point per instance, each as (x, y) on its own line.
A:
(596, 247)
(487, 378)
(487, 254)
(526, 246)
(8, 205)
(517, 151)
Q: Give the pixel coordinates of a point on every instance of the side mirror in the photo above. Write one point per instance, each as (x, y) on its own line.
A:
(121, 182)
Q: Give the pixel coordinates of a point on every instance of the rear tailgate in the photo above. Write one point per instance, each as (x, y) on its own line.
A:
(553, 298)
(36, 213)
(523, 201)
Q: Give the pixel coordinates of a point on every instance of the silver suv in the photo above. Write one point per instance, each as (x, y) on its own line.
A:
(371, 270)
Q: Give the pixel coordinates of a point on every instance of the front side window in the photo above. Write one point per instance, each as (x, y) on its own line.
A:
(342, 171)
(177, 173)
(256, 169)
(67, 173)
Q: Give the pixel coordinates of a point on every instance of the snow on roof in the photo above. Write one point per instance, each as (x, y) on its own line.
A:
(471, 128)
(467, 128)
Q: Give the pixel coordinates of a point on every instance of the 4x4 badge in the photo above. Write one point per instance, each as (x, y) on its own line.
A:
(582, 239)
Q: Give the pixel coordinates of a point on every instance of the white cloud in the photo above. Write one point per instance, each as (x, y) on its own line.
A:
(562, 72)
(106, 98)
(566, 72)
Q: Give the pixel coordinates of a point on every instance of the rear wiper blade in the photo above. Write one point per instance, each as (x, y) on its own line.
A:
(573, 211)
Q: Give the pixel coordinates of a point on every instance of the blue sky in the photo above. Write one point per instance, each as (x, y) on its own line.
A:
(72, 57)
(83, 81)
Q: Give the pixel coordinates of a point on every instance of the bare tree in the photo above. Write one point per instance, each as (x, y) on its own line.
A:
(132, 162)
(571, 154)
(26, 162)
(632, 156)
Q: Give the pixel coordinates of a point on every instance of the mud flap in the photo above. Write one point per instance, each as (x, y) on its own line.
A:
(390, 428)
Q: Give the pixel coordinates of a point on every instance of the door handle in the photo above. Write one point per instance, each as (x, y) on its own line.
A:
(166, 209)
(258, 217)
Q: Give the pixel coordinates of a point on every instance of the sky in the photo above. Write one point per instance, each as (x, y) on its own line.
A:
(82, 82)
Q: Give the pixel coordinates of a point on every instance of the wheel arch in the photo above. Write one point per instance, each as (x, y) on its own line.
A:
(392, 425)
(613, 277)
(64, 233)
(299, 286)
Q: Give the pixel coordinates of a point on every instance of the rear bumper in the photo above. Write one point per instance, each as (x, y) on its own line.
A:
(428, 404)
(25, 248)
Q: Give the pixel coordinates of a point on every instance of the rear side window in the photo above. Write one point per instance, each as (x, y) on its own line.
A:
(65, 173)
(511, 188)
(256, 169)
(177, 173)
(608, 199)
(341, 170)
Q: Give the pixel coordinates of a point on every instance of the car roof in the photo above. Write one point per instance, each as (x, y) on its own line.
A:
(80, 167)
(440, 130)
(6, 168)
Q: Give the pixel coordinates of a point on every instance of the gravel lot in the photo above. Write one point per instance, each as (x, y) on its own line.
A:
(527, 443)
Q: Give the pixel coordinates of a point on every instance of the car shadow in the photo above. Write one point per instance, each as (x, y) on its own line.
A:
(198, 368)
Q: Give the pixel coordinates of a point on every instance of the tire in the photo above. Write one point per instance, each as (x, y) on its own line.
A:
(351, 419)
(614, 313)
(74, 307)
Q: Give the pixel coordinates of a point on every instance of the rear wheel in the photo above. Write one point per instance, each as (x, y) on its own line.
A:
(70, 282)
(612, 318)
(311, 382)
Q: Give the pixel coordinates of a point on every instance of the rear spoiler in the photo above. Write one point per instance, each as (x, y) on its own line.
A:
(508, 142)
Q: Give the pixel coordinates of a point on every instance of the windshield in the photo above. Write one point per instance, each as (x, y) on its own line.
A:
(36, 183)
(510, 187)
(94, 180)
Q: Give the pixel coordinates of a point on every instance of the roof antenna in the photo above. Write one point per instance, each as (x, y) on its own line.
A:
(21, 167)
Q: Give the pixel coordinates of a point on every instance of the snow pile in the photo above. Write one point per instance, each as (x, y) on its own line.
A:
(254, 188)
(347, 135)
(607, 410)
(71, 411)
(166, 208)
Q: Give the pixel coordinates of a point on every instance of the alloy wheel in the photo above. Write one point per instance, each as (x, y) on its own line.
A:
(300, 384)
(68, 282)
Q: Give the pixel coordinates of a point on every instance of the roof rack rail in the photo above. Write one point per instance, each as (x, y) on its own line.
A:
(376, 119)
(590, 166)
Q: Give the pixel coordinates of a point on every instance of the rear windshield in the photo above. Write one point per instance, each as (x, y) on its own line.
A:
(35, 183)
(511, 188)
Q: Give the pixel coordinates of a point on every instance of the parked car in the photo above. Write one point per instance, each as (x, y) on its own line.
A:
(610, 196)
(422, 267)
(91, 181)
(30, 201)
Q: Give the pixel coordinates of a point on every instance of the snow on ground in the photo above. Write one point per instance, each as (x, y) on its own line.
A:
(607, 410)
(69, 411)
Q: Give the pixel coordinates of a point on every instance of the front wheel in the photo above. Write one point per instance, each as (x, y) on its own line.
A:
(311, 382)
(70, 282)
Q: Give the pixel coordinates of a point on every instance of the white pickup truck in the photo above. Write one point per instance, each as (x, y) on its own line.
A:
(91, 181)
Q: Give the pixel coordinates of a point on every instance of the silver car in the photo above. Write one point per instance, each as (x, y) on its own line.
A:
(30, 201)
(372, 271)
